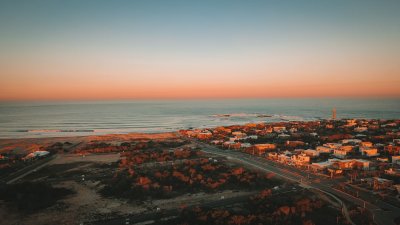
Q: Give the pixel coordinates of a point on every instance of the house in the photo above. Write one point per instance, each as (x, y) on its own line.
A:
(232, 144)
(381, 183)
(366, 144)
(344, 164)
(341, 153)
(329, 126)
(267, 130)
(351, 164)
(189, 133)
(348, 148)
(360, 129)
(272, 156)
(245, 145)
(279, 129)
(283, 136)
(204, 135)
(251, 125)
(362, 164)
(392, 149)
(393, 172)
(222, 130)
(389, 125)
(397, 187)
(334, 171)
(396, 159)
(369, 152)
(321, 165)
(351, 123)
(217, 142)
(323, 149)
(373, 127)
(37, 154)
(361, 136)
(233, 139)
(301, 159)
(382, 159)
(265, 146)
(283, 158)
(351, 141)
(311, 153)
(294, 143)
(259, 149)
(239, 134)
(332, 145)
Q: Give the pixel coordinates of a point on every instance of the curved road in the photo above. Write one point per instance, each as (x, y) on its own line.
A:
(380, 216)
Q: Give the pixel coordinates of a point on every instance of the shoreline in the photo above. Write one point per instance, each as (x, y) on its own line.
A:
(34, 144)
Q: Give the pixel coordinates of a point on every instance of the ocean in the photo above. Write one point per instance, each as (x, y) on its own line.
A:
(56, 119)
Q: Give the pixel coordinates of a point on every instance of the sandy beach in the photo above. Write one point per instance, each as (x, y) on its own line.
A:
(27, 145)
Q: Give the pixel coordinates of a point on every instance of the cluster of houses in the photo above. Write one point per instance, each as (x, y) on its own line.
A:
(327, 146)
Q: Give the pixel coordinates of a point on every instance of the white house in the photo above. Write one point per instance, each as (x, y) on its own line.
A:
(283, 136)
(351, 141)
(360, 129)
(37, 154)
(252, 137)
(245, 145)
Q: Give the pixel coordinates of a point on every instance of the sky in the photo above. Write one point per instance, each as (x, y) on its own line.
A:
(149, 49)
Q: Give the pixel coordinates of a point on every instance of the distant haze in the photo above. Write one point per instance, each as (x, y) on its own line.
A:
(198, 49)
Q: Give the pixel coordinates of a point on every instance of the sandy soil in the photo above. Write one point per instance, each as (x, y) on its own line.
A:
(96, 158)
(192, 199)
(85, 205)
(88, 205)
(27, 145)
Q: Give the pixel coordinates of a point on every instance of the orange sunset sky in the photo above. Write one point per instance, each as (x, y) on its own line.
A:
(209, 49)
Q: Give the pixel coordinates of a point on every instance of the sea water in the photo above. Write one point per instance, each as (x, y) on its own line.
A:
(54, 119)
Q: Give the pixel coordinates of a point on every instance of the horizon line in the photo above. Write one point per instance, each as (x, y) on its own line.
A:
(199, 98)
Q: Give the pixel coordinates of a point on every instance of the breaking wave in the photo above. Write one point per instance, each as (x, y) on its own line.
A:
(242, 115)
(54, 131)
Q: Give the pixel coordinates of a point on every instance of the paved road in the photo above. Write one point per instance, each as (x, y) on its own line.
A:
(39, 164)
(31, 168)
(383, 213)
